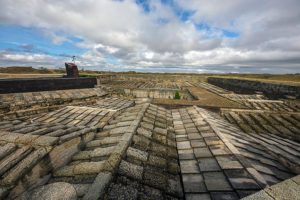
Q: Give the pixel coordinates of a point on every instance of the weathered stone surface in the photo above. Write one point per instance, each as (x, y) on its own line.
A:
(184, 145)
(269, 88)
(98, 187)
(24, 166)
(202, 152)
(147, 126)
(99, 152)
(228, 162)
(161, 131)
(45, 141)
(11, 160)
(173, 168)
(160, 138)
(142, 157)
(197, 143)
(174, 187)
(81, 189)
(208, 164)
(144, 132)
(142, 142)
(194, 136)
(261, 195)
(296, 179)
(243, 183)
(119, 191)
(219, 150)
(61, 154)
(224, 195)
(137, 154)
(57, 191)
(158, 149)
(151, 193)
(216, 181)
(3, 191)
(197, 197)
(89, 167)
(189, 166)
(193, 183)
(131, 170)
(285, 190)
(155, 179)
(241, 179)
(157, 161)
(186, 154)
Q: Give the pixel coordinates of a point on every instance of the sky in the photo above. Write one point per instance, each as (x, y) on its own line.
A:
(202, 36)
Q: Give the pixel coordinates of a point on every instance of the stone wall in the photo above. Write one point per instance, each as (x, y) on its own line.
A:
(19, 105)
(248, 86)
(44, 84)
(105, 78)
(157, 93)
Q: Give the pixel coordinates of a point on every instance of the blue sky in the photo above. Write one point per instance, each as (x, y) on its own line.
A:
(152, 34)
(26, 39)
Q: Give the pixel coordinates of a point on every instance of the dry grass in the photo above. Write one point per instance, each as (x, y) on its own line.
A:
(7, 75)
(205, 99)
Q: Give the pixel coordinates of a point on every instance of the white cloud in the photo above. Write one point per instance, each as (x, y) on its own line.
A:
(269, 31)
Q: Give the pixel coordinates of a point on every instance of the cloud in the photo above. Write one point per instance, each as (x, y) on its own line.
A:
(26, 47)
(194, 33)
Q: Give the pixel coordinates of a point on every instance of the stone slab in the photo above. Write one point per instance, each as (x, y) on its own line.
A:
(216, 181)
(189, 166)
(193, 183)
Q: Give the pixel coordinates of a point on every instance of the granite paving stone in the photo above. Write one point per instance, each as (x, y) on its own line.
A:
(218, 150)
(186, 154)
(208, 134)
(193, 183)
(243, 183)
(245, 193)
(213, 141)
(197, 143)
(189, 166)
(228, 162)
(216, 181)
(184, 145)
(194, 136)
(202, 152)
(208, 164)
(197, 197)
(224, 196)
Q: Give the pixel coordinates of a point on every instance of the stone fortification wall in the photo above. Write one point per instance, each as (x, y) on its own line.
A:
(270, 89)
(44, 84)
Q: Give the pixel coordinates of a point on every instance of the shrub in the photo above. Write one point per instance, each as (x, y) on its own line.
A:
(177, 95)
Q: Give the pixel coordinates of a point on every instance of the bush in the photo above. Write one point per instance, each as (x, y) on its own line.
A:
(177, 95)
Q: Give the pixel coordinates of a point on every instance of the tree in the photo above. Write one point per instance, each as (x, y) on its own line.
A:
(177, 95)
